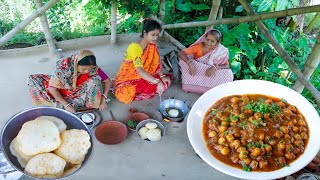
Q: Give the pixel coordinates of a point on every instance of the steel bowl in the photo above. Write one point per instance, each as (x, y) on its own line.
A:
(176, 104)
(14, 124)
(144, 122)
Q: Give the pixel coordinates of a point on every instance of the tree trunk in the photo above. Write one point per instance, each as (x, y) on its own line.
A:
(300, 17)
(284, 55)
(214, 11)
(313, 22)
(47, 33)
(162, 11)
(27, 21)
(310, 66)
(220, 13)
(113, 22)
(256, 17)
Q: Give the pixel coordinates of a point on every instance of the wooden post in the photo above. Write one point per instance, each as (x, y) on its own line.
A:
(213, 12)
(262, 16)
(283, 54)
(113, 22)
(162, 11)
(27, 21)
(313, 22)
(310, 66)
(47, 33)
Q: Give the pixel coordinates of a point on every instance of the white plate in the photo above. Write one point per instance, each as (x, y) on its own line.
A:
(195, 120)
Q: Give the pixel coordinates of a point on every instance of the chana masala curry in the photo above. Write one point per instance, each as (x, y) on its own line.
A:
(255, 132)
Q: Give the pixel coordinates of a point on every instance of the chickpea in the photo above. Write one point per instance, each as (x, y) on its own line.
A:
(298, 143)
(243, 154)
(281, 146)
(248, 111)
(241, 149)
(295, 129)
(246, 161)
(290, 155)
(261, 136)
(282, 160)
(294, 121)
(225, 151)
(284, 129)
(304, 136)
(296, 150)
(286, 112)
(268, 148)
(301, 122)
(212, 133)
(230, 137)
(292, 108)
(266, 116)
(222, 140)
(287, 136)
(289, 148)
(256, 152)
(219, 114)
(278, 134)
(218, 147)
(235, 144)
(257, 115)
(299, 117)
(281, 104)
(263, 164)
(303, 129)
(268, 101)
(234, 100)
(290, 124)
(222, 128)
(224, 123)
(254, 164)
(278, 153)
(297, 136)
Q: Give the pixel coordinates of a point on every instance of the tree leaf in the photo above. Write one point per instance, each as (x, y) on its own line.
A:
(252, 66)
(266, 5)
(282, 5)
(185, 7)
(239, 8)
(235, 66)
(233, 51)
(199, 7)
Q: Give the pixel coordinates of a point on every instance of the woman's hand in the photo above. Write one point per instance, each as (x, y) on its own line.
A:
(160, 88)
(192, 69)
(166, 81)
(103, 104)
(210, 71)
(70, 108)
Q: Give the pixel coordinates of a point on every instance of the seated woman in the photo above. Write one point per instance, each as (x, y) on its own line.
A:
(140, 76)
(205, 63)
(76, 84)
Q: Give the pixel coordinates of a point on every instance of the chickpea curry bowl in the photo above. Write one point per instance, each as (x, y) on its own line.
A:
(255, 132)
(254, 129)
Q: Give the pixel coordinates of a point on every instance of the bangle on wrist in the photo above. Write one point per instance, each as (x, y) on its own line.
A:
(105, 96)
(215, 67)
(67, 105)
(156, 81)
(162, 76)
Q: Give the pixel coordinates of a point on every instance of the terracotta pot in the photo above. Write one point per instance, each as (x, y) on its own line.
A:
(111, 132)
(138, 117)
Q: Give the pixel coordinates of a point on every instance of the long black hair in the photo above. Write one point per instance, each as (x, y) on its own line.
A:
(150, 25)
(88, 61)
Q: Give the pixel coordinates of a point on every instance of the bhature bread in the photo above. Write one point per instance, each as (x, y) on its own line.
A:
(16, 151)
(151, 125)
(154, 135)
(38, 136)
(71, 170)
(74, 145)
(57, 121)
(45, 165)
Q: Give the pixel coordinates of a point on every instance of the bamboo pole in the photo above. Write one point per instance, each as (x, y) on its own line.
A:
(310, 66)
(113, 22)
(46, 31)
(174, 41)
(250, 18)
(162, 9)
(284, 55)
(220, 13)
(27, 21)
(213, 12)
(313, 22)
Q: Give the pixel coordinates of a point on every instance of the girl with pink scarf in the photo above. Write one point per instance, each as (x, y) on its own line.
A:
(204, 64)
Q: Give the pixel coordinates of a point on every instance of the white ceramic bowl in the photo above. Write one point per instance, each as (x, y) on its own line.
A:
(194, 125)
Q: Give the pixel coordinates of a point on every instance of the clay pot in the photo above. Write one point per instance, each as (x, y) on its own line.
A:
(111, 132)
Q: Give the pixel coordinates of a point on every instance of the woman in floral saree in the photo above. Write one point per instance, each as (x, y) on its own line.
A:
(205, 63)
(140, 76)
(76, 84)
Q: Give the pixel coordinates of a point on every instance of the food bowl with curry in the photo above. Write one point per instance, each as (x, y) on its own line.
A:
(254, 129)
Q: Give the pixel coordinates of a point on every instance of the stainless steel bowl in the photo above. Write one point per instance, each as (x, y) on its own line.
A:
(175, 104)
(144, 122)
(14, 124)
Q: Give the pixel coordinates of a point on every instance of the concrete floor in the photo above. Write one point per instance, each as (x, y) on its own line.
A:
(170, 158)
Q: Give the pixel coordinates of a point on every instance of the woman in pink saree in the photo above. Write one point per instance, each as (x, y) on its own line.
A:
(204, 64)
